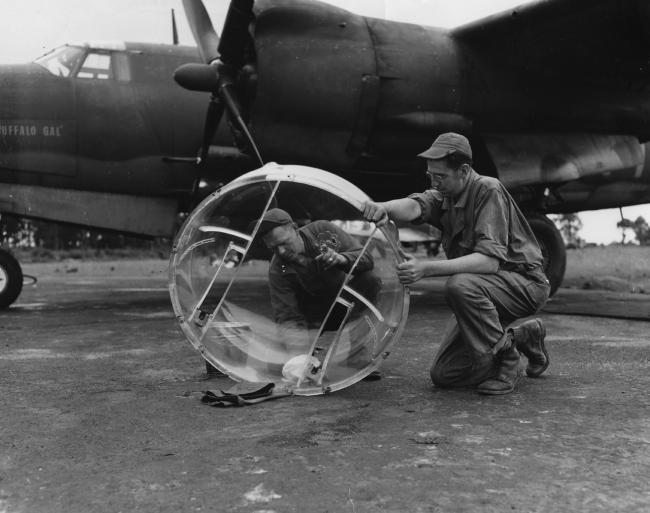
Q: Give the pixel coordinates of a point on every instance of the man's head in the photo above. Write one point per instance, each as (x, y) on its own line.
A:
(279, 233)
(449, 162)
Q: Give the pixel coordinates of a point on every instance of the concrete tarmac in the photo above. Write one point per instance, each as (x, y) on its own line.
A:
(101, 413)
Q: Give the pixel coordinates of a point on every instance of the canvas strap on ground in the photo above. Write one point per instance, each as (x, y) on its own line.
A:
(244, 394)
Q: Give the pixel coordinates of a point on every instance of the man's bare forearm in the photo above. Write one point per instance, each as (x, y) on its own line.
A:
(413, 269)
(403, 209)
(473, 263)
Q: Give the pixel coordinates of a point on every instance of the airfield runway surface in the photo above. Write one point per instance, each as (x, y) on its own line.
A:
(101, 413)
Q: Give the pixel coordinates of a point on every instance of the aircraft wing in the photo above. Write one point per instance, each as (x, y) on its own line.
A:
(601, 44)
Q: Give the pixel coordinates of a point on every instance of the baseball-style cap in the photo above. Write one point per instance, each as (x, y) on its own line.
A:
(446, 144)
(272, 219)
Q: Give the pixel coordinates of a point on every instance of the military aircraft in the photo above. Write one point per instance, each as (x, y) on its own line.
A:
(553, 96)
(98, 134)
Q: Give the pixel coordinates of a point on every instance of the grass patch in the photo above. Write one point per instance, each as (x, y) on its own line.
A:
(628, 263)
(586, 268)
(39, 255)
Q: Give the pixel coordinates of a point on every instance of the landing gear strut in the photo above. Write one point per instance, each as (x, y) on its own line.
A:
(11, 279)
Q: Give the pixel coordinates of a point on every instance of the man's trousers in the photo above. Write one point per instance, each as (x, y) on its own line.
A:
(475, 338)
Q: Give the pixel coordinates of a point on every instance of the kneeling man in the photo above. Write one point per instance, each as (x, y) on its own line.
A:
(494, 266)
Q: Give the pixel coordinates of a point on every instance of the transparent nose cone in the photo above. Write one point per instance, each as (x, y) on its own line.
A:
(308, 323)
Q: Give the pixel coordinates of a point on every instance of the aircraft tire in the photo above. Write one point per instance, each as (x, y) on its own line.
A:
(553, 249)
(11, 279)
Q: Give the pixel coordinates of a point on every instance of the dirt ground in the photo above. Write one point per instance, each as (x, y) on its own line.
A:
(101, 413)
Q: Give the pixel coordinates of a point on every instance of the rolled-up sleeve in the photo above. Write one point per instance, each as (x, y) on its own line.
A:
(430, 202)
(491, 224)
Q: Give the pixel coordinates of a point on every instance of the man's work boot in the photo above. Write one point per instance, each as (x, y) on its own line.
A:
(213, 372)
(373, 376)
(529, 339)
(507, 375)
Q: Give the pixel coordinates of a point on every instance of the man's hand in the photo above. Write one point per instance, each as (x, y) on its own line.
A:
(375, 212)
(330, 259)
(410, 270)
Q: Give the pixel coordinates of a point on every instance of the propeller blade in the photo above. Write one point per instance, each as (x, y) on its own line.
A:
(235, 32)
(212, 120)
(233, 111)
(204, 34)
(225, 59)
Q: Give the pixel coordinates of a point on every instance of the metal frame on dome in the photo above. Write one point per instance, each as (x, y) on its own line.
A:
(278, 174)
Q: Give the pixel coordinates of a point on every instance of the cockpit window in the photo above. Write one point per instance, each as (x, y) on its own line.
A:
(96, 65)
(61, 61)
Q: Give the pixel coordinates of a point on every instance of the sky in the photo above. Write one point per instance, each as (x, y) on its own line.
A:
(29, 28)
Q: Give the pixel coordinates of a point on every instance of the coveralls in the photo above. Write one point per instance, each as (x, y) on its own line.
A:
(302, 293)
(483, 219)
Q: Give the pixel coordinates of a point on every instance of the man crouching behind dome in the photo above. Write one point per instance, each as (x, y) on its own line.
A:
(306, 273)
(494, 266)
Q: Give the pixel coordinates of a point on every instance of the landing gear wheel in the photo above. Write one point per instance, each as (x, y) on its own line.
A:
(553, 250)
(11, 279)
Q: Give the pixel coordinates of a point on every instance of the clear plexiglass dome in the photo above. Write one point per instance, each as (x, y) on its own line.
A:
(264, 318)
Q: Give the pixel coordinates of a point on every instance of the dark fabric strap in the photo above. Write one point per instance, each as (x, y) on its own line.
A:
(243, 394)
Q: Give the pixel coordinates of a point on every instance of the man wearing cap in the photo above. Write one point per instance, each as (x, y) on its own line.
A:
(494, 266)
(307, 270)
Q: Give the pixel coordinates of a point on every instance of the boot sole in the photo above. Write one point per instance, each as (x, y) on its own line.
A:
(495, 392)
(504, 391)
(537, 373)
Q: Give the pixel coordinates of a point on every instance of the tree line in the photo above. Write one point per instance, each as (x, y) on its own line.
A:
(571, 224)
(26, 233)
